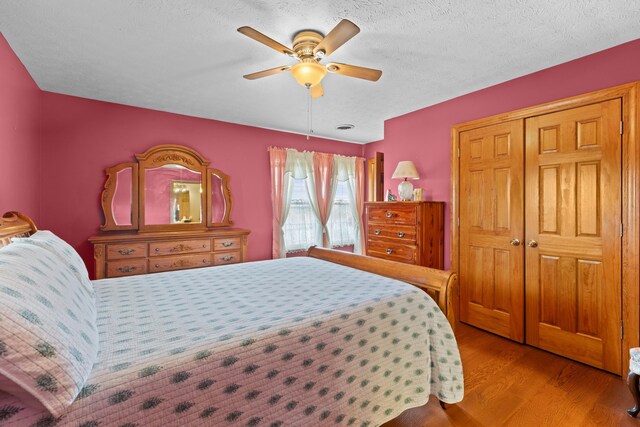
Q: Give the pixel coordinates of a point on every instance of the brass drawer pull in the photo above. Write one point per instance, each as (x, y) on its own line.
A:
(126, 269)
(376, 232)
(389, 251)
(227, 244)
(390, 215)
(227, 258)
(126, 251)
(400, 234)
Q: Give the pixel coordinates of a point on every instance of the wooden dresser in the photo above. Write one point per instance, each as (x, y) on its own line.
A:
(119, 255)
(409, 232)
(168, 210)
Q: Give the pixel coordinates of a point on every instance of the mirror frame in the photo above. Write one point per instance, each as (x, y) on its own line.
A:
(109, 193)
(162, 155)
(155, 157)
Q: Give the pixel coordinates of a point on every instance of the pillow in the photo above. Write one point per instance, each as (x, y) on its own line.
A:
(47, 240)
(48, 333)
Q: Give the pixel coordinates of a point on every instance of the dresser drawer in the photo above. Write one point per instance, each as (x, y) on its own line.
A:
(392, 251)
(127, 267)
(178, 247)
(128, 250)
(222, 258)
(179, 262)
(402, 214)
(226, 244)
(404, 233)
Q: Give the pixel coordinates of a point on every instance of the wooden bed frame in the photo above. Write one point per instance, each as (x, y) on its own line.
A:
(437, 283)
(15, 224)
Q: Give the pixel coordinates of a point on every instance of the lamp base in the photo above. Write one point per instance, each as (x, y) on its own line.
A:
(405, 190)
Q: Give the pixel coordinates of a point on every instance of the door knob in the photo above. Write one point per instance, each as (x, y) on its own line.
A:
(515, 242)
(533, 244)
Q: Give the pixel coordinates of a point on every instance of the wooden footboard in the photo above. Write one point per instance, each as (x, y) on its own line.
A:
(438, 284)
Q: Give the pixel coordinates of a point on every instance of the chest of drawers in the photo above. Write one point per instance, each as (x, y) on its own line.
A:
(409, 232)
(142, 253)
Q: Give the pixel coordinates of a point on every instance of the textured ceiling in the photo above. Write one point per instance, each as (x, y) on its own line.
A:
(187, 57)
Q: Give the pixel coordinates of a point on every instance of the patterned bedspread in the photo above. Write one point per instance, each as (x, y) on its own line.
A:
(298, 342)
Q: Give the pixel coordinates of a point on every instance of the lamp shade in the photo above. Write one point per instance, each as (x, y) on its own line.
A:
(407, 170)
(308, 73)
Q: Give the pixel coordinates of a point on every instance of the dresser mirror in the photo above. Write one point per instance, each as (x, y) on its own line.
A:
(169, 188)
(120, 197)
(172, 195)
(219, 198)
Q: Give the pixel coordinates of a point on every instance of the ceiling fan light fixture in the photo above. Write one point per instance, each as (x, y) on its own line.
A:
(308, 73)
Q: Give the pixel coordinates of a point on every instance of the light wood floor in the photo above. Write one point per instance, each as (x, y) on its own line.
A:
(509, 384)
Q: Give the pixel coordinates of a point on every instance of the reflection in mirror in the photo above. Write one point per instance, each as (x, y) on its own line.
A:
(218, 203)
(185, 201)
(163, 205)
(121, 205)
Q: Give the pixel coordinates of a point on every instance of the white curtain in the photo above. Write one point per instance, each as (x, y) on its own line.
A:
(286, 206)
(300, 166)
(345, 170)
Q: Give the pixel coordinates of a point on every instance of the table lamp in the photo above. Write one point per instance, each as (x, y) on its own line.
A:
(407, 170)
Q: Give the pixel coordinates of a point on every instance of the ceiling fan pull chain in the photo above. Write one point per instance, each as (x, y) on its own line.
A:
(309, 129)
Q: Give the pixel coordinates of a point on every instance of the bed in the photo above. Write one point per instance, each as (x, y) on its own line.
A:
(327, 339)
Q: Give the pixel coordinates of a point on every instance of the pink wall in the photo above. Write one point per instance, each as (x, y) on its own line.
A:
(19, 136)
(80, 138)
(424, 136)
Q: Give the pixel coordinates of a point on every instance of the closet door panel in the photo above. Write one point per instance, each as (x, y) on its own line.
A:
(573, 217)
(491, 228)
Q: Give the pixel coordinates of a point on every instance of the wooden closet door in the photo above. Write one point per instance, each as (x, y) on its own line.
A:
(573, 217)
(491, 229)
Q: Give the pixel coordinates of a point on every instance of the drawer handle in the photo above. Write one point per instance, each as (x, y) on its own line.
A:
(126, 251)
(204, 245)
(376, 231)
(157, 265)
(204, 261)
(126, 269)
(389, 251)
(227, 258)
(390, 215)
(227, 244)
(157, 249)
(400, 234)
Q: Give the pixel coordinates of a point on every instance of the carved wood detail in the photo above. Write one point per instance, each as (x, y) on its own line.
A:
(181, 248)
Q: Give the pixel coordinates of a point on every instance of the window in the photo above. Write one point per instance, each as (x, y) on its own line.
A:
(301, 225)
(341, 223)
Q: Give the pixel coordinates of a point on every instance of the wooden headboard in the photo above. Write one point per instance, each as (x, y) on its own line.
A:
(15, 224)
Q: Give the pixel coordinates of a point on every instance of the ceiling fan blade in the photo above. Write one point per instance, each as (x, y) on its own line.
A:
(354, 71)
(266, 73)
(340, 34)
(317, 91)
(267, 41)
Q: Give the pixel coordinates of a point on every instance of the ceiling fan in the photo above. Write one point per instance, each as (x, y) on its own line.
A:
(309, 48)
